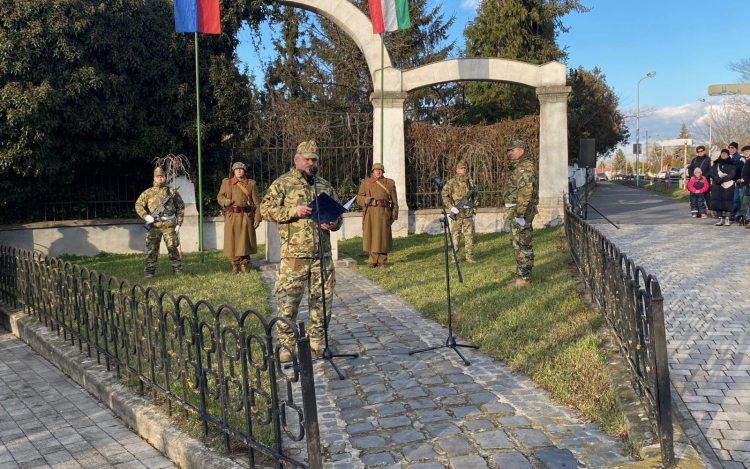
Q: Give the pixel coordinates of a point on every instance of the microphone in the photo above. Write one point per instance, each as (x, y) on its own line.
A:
(437, 182)
(314, 169)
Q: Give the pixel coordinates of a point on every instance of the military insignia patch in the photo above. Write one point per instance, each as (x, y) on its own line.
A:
(522, 184)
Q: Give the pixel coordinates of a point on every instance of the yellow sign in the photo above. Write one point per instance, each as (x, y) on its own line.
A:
(729, 90)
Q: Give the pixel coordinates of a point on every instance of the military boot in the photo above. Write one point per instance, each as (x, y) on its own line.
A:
(235, 270)
(317, 346)
(148, 274)
(285, 355)
(243, 268)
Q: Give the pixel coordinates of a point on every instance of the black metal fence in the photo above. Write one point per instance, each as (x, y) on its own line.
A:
(215, 363)
(632, 304)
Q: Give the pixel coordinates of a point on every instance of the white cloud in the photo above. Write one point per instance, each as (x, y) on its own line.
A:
(470, 4)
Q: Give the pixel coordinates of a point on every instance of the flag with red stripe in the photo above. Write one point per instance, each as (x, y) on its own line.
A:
(389, 15)
(201, 16)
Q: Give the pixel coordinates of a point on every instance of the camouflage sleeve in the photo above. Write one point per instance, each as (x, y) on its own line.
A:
(446, 193)
(179, 206)
(272, 206)
(525, 192)
(141, 207)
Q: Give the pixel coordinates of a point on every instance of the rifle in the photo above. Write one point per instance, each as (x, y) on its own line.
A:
(464, 203)
(161, 209)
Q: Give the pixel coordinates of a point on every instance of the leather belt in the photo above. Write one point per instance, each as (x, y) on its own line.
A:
(381, 203)
(235, 209)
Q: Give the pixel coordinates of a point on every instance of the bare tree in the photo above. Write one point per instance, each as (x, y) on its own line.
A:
(729, 122)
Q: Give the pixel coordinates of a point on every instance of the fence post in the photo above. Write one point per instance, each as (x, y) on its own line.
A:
(309, 404)
(663, 398)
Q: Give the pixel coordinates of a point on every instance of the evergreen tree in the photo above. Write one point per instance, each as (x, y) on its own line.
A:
(524, 30)
(619, 163)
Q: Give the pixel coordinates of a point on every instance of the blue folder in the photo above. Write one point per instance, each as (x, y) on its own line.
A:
(330, 210)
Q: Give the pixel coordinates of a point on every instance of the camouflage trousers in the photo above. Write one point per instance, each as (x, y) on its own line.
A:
(294, 275)
(240, 260)
(523, 249)
(464, 226)
(153, 240)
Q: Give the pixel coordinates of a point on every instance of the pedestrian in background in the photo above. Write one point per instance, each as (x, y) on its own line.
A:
(739, 189)
(239, 197)
(722, 187)
(698, 186)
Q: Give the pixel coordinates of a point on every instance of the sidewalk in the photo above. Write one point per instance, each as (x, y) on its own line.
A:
(48, 421)
(428, 411)
(704, 276)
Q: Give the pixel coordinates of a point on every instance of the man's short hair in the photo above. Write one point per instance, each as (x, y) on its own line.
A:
(700, 147)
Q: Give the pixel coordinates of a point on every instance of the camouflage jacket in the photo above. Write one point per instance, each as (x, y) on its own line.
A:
(521, 188)
(455, 189)
(299, 236)
(152, 197)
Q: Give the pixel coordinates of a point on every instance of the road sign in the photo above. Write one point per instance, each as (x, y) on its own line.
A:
(729, 90)
(676, 142)
(637, 149)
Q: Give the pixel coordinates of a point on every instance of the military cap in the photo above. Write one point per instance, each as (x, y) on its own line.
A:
(158, 171)
(460, 165)
(746, 147)
(308, 149)
(378, 166)
(734, 144)
(516, 143)
(239, 165)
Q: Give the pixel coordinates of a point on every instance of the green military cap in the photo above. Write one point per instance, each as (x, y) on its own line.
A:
(378, 166)
(158, 171)
(460, 165)
(516, 143)
(308, 149)
(239, 165)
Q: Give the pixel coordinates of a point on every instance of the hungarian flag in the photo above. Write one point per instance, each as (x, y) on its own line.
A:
(389, 15)
(200, 16)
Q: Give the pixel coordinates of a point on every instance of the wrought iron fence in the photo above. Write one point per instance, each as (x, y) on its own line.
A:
(631, 303)
(214, 362)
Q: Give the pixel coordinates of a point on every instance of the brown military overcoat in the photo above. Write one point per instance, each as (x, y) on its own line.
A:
(239, 227)
(377, 220)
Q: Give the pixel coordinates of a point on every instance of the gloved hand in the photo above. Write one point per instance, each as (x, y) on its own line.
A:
(256, 224)
(177, 229)
(521, 221)
(510, 205)
(149, 219)
(454, 210)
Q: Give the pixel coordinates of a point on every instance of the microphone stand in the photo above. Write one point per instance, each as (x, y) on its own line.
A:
(327, 354)
(450, 342)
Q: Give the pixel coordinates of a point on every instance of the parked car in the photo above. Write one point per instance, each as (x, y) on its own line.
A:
(661, 175)
(601, 177)
(674, 172)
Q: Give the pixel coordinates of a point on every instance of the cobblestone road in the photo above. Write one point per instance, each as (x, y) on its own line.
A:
(428, 411)
(705, 280)
(48, 421)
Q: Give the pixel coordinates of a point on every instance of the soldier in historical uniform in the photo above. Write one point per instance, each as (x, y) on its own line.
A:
(286, 203)
(239, 197)
(521, 196)
(462, 218)
(377, 196)
(166, 224)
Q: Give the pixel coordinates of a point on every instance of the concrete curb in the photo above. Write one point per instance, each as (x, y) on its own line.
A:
(147, 420)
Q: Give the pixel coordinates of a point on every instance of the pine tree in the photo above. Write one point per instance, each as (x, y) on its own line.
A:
(524, 30)
(619, 163)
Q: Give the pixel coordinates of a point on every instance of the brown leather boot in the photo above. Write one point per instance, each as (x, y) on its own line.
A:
(243, 267)
(317, 346)
(235, 270)
(285, 356)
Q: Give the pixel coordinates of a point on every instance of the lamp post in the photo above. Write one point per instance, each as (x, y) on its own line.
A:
(638, 125)
(710, 122)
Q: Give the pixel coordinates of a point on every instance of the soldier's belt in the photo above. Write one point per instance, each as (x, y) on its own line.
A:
(235, 209)
(380, 203)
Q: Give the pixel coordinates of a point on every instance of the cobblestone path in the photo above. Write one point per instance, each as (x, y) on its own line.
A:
(428, 411)
(705, 279)
(48, 421)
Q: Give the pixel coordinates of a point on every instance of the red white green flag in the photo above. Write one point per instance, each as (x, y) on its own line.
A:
(389, 15)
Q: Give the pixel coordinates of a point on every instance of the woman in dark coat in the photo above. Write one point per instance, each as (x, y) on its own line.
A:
(722, 187)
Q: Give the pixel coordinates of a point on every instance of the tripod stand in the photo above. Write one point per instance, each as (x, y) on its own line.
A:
(586, 204)
(450, 342)
(327, 354)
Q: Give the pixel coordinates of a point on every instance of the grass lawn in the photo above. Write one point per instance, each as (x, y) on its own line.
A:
(544, 331)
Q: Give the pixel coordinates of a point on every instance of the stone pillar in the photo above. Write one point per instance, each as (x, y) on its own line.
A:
(553, 152)
(394, 149)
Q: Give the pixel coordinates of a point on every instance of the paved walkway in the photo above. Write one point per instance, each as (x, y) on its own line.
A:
(48, 421)
(428, 411)
(705, 278)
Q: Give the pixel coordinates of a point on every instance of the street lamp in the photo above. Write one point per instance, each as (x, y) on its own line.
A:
(638, 125)
(710, 122)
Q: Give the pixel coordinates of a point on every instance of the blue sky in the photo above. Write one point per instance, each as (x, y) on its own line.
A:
(689, 43)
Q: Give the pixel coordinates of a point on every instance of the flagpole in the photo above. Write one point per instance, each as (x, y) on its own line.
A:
(200, 175)
(382, 80)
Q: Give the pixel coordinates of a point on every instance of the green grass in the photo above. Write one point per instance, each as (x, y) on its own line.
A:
(657, 187)
(544, 331)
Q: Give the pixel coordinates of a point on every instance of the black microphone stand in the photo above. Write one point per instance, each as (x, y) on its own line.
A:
(327, 354)
(450, 342)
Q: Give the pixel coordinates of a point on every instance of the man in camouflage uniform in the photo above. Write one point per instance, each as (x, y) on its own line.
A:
(377, 196)
(521, 196)
(286, 203)
(462, 218)
(166, 224)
